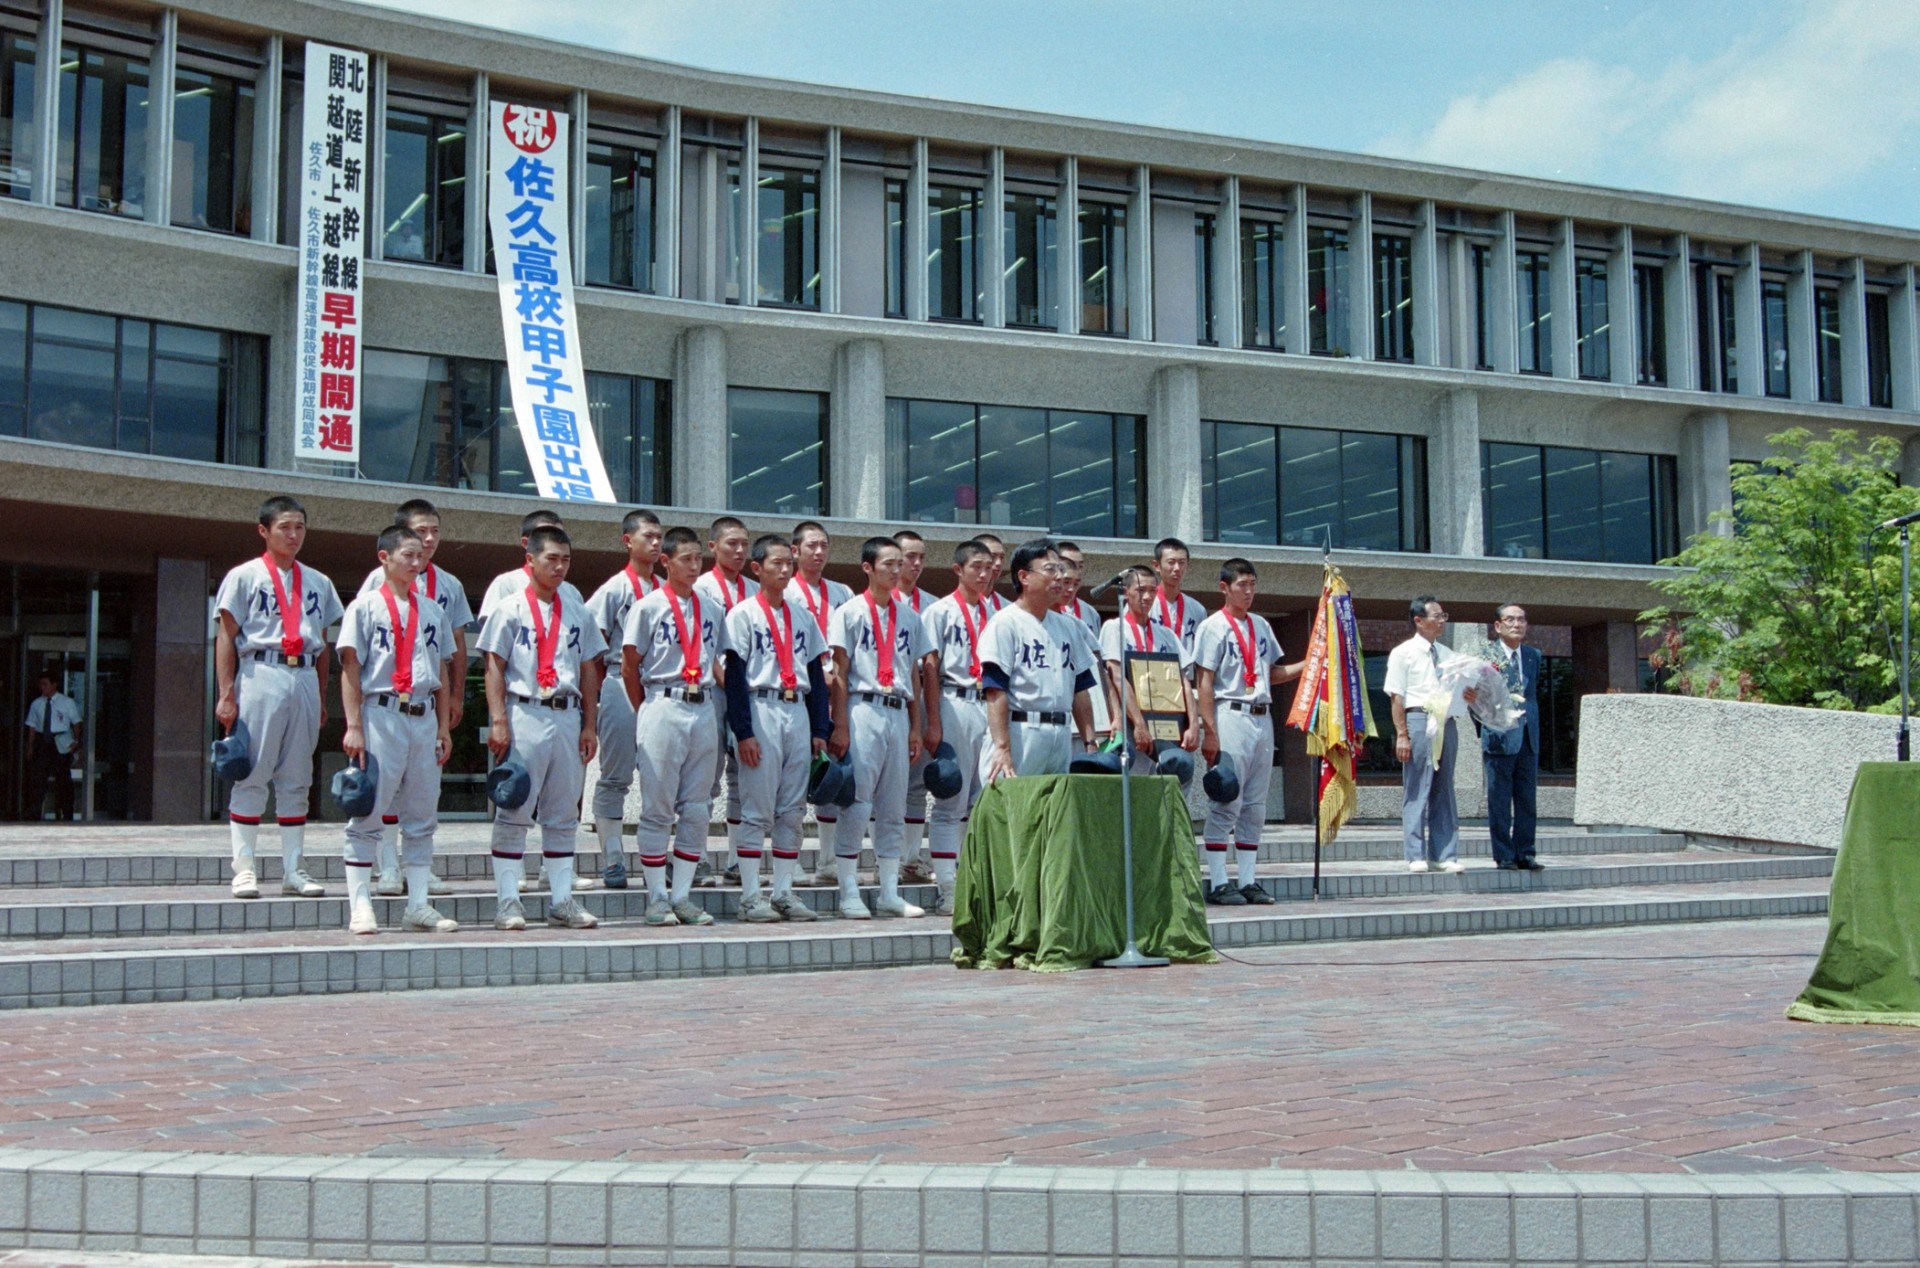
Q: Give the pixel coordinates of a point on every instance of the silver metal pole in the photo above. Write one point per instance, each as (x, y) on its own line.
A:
(1131, 957)
(1906, 642)
(91, 740)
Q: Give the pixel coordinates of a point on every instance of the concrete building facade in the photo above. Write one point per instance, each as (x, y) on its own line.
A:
(875, 310)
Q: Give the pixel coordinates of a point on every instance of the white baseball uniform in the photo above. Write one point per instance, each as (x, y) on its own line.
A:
(399, 734)
(821, 601)
(1182, 616)
(723, 596)
(608, 607)
(1123, 634)
(780, 714)
(444, 588)
(1041, 665)
(1243, 710)
(877, 718)
(515, 582)
(956, 629)
(675, 747)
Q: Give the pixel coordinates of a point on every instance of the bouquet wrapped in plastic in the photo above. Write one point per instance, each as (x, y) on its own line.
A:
(1493, 706)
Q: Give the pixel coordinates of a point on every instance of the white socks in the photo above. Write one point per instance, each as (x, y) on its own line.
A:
(1216, 868)
(847, 872)
(944, 871)
(245, 836)
(418, 878)
(360, 885)
(293, 848)
(1246, 861)
(612, 850)
(910, 839)
(506, 879)
(387, 858)
(749, 876)
(560, 879)
(656, 874)
(889, 870)
(782, 875)
(682, 878)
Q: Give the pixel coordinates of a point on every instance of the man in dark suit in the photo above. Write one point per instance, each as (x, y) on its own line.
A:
(1513, 756)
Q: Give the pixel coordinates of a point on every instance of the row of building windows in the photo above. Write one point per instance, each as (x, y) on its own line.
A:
(764, 245)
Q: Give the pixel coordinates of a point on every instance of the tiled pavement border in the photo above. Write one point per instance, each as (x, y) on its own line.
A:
(830, 1215)
(159, 974)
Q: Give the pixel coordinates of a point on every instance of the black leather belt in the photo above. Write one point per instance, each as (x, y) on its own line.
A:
(1241, 706)
(551, 702)
(882, 699)
(304, 660)
(1041, 719)
(692, 695)
(412, 708)
(785, 695)
(964, 693)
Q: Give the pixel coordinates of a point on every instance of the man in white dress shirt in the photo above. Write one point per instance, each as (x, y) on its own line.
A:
(1429, 820)
(53, 735)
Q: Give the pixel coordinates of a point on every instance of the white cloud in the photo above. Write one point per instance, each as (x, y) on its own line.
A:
(1803, 106)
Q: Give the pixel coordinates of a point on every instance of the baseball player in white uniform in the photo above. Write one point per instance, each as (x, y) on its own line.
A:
(820, 596)
(777, 709)
(725, 586)
(395, 649)
(1179, 612)
(1236, 662)
(1038, 667)
(641, 533)
(917, 868)
(877, 644)
(441, 586)
(956, 628)
(271, 664)
(1080, 610)
(544, 658)
(670, 651)
(998, 550)
(1135, 631)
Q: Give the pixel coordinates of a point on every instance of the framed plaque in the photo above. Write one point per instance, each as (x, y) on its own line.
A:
(1157, 692)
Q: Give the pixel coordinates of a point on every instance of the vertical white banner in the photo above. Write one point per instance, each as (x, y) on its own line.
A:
(533, 257)
(332, 235)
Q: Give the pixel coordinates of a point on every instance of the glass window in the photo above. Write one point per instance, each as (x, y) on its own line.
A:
(789, 238)
(1558, 503)
(1263, 294)
(1559, 716)
(1719, 329)
(1328, 319)
(406, 419)
(1650, 324)
(187, 392)
(632, 418)
(1031, 242)
(74, 364)
(1482, 306)
(1300, 486)
(426, 177)
(212, 152)
(777, 451)
(1826, 346)
(1879, 353)
(1773, 329)
(16, 114)
(103, 133)
(1203, 239)
(1533, 281)
(896, 261)
(1076, 472)
(13, 368)
(619, 206)
(1393, 297)
(1592, 332)
(953, 253)
(1103, 268)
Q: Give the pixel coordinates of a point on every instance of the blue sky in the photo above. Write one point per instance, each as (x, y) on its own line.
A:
(1803, 105)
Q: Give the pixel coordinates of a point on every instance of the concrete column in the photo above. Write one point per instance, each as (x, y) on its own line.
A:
(46, 103)
(283, 379)
(1623, 313)
(1802, 335)
(993, 256)
(473, 249)
(268, 112)
(700, 429)
(857, 431)
(1459, 300)
(176, 774)
(705, 273)
(1565, 331)
(1606, 657)
(1683, 369)
(666, 209)
(577, 108)
(1853, 333)
(1455, 508)
(1750, 348)
(1226, 267)
(1067, 263)
(830, 225)
(1910, 462)
(1427, 299)
(1140, 256)
(1173, 455)
(1293, 273)
(376, 240)
(1902, 346)
(160, 89)
(1361, 312)
(749, 224)
(1705, 473)
(916, 235)
(1503, 323)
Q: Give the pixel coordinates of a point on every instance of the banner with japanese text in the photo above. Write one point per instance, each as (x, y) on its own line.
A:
(533, 257)
(332, 237)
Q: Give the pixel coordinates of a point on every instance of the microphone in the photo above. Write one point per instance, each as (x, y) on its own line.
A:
(1120, 576)
(1899, 521)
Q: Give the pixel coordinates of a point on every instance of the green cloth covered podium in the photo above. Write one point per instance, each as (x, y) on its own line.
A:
(1869, 970)
(1040, 884)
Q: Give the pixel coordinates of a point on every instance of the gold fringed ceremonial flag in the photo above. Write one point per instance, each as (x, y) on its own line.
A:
(1331, 704)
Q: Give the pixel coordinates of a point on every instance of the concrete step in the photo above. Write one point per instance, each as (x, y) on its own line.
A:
(231, 965)
(461, 855)
(186, 911)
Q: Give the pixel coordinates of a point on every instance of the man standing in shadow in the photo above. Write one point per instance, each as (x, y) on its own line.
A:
(1513, 756)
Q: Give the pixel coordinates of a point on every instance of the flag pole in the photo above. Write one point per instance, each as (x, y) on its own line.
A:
(1319, 783)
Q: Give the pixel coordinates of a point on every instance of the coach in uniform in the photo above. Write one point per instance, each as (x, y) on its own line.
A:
(1037, 666)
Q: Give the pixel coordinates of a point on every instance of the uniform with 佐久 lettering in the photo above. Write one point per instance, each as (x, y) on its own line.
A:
(775, 696)
(884, 643)
(955, 630)
(397, 717)
(513, 583)
(722, 595)
(1123, 634)
(1182, 614)
(609, 606)
(675, 747)
(1041, 665)
(1240, 652)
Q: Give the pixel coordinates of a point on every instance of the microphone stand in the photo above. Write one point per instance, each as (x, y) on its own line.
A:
(1131, 958)
(1904, 749)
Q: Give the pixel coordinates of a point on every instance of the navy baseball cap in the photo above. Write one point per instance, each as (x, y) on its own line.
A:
(1171, 759)
(354, 788)
(1104, 762)
(233, 752)
(1221, 783)
(509, 785)
(943, 772)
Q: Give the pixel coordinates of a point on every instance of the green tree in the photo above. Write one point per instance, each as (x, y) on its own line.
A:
(1784, 604)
